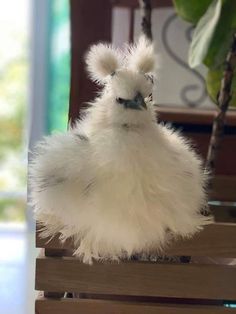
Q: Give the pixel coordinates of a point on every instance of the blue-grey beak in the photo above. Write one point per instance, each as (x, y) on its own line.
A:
(136, 103)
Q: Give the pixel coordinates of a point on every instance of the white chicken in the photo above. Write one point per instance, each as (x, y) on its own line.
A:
(118, 183)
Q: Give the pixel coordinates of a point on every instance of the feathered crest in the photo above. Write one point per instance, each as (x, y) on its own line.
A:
(141, 56)
(102, 60)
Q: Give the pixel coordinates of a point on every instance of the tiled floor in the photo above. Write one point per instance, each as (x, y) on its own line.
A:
(17, 264)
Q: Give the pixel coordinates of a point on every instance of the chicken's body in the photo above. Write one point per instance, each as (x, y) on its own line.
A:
(118, 182)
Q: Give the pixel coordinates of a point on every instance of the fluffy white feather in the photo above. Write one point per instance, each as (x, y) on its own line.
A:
(141, 56)
(102, 60)
(118, 183)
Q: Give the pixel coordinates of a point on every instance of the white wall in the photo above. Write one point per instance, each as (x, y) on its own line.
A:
(173, 78)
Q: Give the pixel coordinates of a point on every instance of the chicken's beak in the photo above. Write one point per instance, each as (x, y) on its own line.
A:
(137, 102)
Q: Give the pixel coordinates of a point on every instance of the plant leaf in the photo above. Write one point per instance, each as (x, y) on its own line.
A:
(191, 10)
(213, 81)
(223, 36)
(203, 33)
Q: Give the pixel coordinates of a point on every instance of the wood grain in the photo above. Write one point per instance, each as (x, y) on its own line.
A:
(76, 306)
(192, 116)
(53, 253)
(215, 240)
(224, 188)
(224, 213)
(137, 279)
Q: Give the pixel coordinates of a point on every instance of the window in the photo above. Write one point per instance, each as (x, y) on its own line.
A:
(15, 62)
(14, 65)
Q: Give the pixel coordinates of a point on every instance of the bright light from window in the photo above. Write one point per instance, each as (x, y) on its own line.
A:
(14, 64)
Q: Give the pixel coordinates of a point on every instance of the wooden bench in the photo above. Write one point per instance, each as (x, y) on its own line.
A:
(142, 287)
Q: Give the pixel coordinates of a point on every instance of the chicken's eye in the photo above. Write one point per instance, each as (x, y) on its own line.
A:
(120, 100)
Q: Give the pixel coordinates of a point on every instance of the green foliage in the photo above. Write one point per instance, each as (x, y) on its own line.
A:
(212, 37)
(13, 99)
(13, 104)
(221, 40)
(12, 209)
(213, 81)
(203, 34)
(191, 10)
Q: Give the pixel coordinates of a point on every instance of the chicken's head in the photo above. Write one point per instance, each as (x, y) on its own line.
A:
(127, 76)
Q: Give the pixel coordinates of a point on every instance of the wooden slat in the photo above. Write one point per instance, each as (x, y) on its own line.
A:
(76, 306)
(224, 213)
(137, 278)
(215, 240)
(192, 116)
(224, 188)
(54, 253)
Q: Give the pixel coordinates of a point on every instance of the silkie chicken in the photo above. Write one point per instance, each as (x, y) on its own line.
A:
(118, 183)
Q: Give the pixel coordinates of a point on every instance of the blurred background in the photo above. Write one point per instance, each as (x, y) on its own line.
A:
(34, 89)
(34, 101)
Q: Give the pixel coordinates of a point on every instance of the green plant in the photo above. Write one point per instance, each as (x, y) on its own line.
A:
(215, 22)
(214, 44)
(12, 209)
